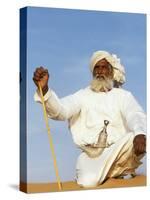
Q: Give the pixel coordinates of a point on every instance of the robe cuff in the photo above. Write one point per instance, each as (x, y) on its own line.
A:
(37, 96)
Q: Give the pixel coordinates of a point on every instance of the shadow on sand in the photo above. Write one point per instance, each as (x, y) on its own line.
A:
(14, 186)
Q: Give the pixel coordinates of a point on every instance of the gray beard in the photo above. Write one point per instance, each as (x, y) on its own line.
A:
(101, 84)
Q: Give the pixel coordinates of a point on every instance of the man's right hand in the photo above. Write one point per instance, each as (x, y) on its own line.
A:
(41, 77)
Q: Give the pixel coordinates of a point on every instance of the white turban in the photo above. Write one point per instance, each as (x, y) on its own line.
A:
(119, 72)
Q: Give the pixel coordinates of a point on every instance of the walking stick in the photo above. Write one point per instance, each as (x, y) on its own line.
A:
(50, 139)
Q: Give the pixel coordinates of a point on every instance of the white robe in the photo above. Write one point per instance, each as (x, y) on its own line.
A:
(86, 111)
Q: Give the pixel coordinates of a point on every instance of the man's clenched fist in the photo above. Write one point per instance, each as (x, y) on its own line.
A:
(41, 77)
(139, 144)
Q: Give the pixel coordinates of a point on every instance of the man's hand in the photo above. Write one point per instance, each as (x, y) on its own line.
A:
(139, 144)
(41, 76)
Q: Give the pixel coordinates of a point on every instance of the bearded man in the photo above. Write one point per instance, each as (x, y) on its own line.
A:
(106, 122)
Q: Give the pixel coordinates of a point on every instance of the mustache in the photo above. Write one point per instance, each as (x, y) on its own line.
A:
(100, 77)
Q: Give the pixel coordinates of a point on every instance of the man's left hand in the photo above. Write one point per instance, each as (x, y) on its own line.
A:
(139, 144)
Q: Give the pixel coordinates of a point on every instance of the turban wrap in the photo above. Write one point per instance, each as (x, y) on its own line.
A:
(119, 72)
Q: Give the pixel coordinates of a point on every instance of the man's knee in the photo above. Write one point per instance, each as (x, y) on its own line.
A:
(89, 180)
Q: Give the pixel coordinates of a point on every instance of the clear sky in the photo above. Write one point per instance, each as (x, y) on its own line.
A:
(63, 40)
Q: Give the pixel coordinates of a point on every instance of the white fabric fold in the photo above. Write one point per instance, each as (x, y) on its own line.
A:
(91, 172)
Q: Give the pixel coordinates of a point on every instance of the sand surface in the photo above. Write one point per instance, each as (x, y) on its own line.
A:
(71, 185)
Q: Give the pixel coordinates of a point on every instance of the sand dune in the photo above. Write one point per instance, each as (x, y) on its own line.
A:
(70, 185)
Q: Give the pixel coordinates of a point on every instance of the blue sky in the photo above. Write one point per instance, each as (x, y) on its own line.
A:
(63, 40)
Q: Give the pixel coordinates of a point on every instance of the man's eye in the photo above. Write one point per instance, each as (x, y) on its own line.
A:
(96, 67)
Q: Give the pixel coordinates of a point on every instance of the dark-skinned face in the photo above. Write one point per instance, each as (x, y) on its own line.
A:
(103, 69)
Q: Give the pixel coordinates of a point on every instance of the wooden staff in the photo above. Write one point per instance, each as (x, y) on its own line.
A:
(50, 139)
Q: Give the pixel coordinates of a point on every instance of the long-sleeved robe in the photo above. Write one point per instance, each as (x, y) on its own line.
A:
(86, 111)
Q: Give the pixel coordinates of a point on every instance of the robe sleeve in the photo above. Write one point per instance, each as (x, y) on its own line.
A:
(61, 109)
(133, 114)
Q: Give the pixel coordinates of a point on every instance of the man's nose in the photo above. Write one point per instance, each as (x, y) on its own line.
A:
(101, 70)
